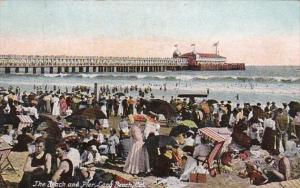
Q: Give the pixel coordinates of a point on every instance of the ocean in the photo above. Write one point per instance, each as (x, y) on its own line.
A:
(255, 84)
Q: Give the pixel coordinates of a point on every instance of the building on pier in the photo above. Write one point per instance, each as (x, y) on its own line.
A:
(207, 61)
(203, 58)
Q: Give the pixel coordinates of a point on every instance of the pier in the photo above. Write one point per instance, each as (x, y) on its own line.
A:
(12, 64)
(87, 64)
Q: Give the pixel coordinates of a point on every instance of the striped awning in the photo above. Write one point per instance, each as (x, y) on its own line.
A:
(25, 119)
(209, 132)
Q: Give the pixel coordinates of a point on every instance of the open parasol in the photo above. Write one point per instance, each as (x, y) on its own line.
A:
(90, 113)
(79, 121)
(178, 130)
(187, 123)
(141, 118)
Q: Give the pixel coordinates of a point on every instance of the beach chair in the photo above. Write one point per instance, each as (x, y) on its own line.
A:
(25, 121)
(215, 152)
(5, 150)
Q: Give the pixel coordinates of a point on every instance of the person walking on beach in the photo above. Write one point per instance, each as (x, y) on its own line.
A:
(130, 105)
(116, 104)
(109, 106)
(125, 106)
(63, 106)
(55, 108)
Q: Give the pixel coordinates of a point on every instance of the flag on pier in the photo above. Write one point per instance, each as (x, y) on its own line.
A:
(216, 44)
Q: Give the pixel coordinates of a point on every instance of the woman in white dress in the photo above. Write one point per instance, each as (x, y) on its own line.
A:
(55, 109)
(137, 160)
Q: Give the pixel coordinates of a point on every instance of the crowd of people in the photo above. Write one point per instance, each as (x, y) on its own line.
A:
(70, 154)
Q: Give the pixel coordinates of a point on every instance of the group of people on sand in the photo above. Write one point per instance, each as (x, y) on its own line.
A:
(68, 154)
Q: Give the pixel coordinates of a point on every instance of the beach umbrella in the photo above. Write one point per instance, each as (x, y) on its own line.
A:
(159, 107)
(71, 139)
(141, 118)
(48, 119)
(119, 94)
(90, 113)
(294, 108)
(210, 102)
(179, 130)
(187, 123)
(50, 125)
(79, 121)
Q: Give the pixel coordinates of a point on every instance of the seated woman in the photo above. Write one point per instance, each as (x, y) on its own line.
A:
(189, 142)
(164, 162)
(202, 150)
(91, 157)
(256, 176)
(283, 173)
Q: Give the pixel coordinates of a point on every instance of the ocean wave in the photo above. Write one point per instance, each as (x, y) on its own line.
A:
(243, 79)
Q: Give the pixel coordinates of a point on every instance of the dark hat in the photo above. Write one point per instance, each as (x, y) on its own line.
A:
(228, 101)
(258, 104)
(268, 102)
(273, 102)
(222, 101)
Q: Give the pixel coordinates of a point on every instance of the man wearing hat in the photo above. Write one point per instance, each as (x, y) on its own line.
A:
(273, 107)
(267, 108)
(125, 106)
(32, 111)
(130, 105)
(259, 105)
(116, 104)
(228, 106)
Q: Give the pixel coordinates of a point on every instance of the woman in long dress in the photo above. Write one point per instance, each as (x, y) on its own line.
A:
(63, 106)
(137, 160)
(269, 136)
(55, 109)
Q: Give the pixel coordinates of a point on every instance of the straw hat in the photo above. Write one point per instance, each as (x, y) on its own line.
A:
(34, 102)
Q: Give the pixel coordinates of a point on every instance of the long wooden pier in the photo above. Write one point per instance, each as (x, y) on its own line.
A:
(11, 64)
(85, 64)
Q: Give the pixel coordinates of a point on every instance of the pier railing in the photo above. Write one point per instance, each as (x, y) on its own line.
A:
(97, 64)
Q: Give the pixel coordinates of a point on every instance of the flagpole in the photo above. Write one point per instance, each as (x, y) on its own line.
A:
(216, 44)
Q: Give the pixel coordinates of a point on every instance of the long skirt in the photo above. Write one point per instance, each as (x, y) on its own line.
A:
(268, 140)
(137, 160)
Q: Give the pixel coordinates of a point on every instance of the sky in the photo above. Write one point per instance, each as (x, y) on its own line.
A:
(251, 32)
